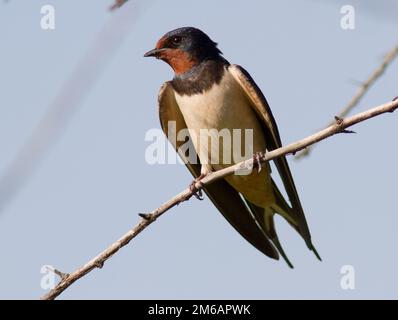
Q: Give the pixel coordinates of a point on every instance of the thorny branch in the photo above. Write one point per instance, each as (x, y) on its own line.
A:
(362, 90)
(339, 125)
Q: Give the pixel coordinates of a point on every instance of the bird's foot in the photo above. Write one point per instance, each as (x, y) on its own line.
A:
(257, 160)
(197, 191)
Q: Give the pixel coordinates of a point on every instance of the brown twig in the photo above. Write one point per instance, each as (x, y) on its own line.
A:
(340, 125)
(362, 90)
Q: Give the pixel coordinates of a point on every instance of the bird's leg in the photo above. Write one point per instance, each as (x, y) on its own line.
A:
(197, 191)
(257, 160)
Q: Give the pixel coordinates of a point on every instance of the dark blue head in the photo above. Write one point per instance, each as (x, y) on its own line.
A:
(185, 48)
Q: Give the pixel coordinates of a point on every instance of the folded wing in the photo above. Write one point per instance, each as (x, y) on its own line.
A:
(261, 107)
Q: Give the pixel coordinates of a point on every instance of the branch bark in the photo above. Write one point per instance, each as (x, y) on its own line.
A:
(362, 90)
(339, 126)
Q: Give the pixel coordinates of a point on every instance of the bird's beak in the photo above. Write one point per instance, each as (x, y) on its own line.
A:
(154, 53)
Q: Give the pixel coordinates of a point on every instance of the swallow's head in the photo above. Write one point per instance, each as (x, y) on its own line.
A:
(185, 48)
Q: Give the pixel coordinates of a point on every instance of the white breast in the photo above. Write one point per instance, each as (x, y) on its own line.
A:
(224, 106)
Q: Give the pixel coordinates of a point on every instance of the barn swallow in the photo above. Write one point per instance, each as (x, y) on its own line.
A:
(207, 92)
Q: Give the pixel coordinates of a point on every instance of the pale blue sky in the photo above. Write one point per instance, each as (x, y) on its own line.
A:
(90, 186)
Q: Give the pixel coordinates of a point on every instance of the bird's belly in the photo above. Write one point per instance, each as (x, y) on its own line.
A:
(225, 130)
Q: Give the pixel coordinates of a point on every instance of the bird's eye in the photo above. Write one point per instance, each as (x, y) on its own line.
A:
(176, 40)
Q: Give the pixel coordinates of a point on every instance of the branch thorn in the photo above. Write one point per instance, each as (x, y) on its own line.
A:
(60, 274)
(347, 131)
(146, 216)
(339, 120)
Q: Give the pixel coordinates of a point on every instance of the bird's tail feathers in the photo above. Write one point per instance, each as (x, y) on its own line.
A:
(269, 228)
(282, 208)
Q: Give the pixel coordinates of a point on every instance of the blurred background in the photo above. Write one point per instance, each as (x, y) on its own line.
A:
(76, 102)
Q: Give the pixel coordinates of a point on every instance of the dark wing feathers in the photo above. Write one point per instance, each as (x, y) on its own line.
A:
(259, 103)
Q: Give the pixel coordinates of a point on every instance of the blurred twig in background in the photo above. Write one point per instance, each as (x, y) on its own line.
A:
(339, 126)
(67, 102)
(117, 4)
(363, 89)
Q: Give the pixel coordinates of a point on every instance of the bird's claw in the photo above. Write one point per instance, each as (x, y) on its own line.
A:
(257, 160)
(197, 192)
